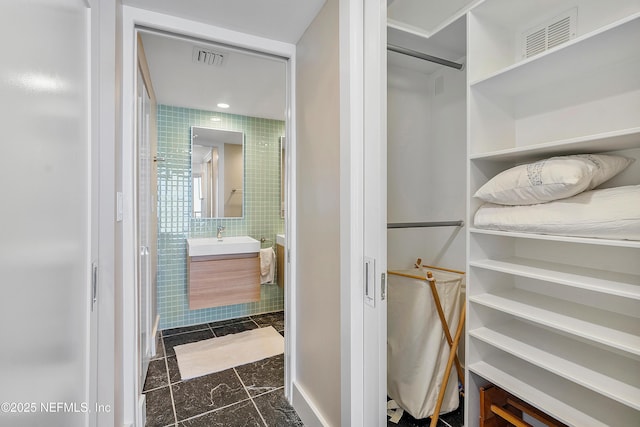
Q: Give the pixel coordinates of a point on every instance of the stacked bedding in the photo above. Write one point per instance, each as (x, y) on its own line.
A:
(612, 213)
(557, 196)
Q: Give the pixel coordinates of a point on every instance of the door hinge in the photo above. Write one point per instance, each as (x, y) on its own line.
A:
(383, 286)
(94, 284)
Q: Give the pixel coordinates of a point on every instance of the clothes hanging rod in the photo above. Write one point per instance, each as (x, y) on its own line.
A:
(420, 55)
(426, 224)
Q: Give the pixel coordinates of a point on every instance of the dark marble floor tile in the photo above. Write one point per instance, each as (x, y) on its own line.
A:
(281, 333)
(270, 319)
(408, 421)
(206, 393)
(234, 328)
(183, 329)
(452, 419)
(276, 411)
(159, 348)
(455, 418)
(174, 371)
(228, 322)
(156, 375)
(174, 340)
(262, 376)
(159, 408)
(241, 414)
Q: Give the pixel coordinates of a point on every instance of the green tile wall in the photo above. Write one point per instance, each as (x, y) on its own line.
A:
(261, 208)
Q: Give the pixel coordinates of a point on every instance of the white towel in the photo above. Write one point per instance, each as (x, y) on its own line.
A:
(267, 265)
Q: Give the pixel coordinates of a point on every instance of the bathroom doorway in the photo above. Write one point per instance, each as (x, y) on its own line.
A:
(202, 87)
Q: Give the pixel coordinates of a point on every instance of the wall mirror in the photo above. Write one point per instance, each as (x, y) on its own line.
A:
(217, 173)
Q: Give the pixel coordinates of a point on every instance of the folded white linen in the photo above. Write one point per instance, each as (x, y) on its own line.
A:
(611, 213)
(267, 265)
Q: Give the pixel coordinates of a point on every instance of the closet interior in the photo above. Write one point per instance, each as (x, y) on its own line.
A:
(552, 317)
(426, 140)
(426, 207)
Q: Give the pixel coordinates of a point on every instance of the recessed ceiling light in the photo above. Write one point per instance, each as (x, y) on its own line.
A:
(223, 105)
(215, 119)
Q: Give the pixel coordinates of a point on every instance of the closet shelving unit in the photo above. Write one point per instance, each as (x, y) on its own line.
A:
(553, 320)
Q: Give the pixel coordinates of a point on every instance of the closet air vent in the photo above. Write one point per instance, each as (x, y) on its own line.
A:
(207, 57)
(552, 33)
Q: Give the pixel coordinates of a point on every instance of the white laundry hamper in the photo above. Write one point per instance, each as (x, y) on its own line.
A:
(417, 349)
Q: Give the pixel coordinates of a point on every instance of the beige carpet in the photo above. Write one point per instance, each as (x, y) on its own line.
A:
(217, 354)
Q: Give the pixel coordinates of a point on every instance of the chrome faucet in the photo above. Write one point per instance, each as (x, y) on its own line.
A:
(220, 230)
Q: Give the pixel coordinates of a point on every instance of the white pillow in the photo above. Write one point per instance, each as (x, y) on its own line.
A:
(551, 179)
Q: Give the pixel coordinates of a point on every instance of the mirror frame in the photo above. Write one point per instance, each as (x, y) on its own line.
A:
(223, 136)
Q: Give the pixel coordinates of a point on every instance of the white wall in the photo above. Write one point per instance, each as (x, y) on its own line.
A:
(426, 165)
(317, 198)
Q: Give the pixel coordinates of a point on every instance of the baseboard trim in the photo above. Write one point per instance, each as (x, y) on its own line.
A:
(306, 409)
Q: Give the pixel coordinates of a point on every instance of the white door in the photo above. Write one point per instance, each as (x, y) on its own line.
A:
(363, 88)
(375, 212)
(145, 223)
(45, 228)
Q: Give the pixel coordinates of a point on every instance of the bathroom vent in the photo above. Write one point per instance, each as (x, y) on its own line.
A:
(207, 57)
(552, 33)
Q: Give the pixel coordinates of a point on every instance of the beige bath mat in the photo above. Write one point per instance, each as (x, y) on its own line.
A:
(217, 354)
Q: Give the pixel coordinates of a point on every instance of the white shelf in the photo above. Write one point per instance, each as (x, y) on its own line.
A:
(608, 282)
(583, 240)
(598, 370)
(588, 52)
(610, 329)
(622, 139)
(563, 400)
(425, 19)
(553, 319)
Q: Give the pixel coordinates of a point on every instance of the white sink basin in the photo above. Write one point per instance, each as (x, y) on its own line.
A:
(203, 246)
(280, 239)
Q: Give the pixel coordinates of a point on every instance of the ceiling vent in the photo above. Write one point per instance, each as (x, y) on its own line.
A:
(552, 33)
(207, 56)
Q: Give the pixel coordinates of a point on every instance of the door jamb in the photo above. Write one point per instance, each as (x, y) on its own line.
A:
(133, 18)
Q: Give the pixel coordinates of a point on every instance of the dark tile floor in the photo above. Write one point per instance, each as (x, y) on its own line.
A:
(452, 419)
(247, 395)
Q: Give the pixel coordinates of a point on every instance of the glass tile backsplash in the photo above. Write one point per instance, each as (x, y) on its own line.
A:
(261, 212)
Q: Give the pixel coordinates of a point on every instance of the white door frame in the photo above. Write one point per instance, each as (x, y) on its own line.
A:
(363, 186)
(103, 139)
(101, 358)
(132, 18)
